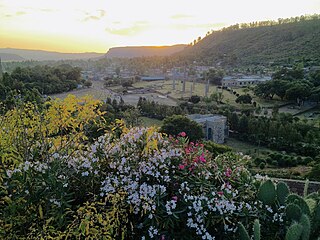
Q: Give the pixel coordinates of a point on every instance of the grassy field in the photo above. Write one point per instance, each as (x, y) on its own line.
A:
(150, 122)
(98, 91)
(166, 88)
(246, 148)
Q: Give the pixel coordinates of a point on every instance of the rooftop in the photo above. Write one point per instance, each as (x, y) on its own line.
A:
(207, 117)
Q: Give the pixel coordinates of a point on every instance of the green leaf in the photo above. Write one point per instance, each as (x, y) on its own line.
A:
(267, 192)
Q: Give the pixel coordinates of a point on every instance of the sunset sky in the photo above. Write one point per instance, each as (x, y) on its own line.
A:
(97, 25)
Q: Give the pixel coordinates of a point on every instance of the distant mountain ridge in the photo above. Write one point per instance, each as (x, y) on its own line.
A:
(41, 55)
(144, 51)
(259, 45)
(10, 57)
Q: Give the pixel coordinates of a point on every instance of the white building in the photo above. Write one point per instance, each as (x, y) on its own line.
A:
(242, 81)
(214, 126)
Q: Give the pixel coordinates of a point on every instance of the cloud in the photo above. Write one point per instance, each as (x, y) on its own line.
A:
(102, 12)
(20, 13)
(181, 16)
(203, 26)
(134, 29)
(48, 10)
(16, 14)
(91, 18)
(95, 17)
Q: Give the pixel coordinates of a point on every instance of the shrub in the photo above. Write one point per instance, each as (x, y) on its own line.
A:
(262, 165)
(315, 172)
(176, 124)
(307, 160)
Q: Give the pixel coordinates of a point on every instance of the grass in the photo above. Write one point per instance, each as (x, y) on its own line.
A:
(166, 88)
(97, 91)
(298, 172)
(150, 122)
(247, 148)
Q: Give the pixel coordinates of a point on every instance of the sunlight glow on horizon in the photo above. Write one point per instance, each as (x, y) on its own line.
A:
(97, 25)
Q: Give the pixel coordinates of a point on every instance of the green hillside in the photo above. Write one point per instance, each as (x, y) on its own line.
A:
(260, 43)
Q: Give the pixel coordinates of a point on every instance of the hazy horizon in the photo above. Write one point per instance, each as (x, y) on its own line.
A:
(95, 26)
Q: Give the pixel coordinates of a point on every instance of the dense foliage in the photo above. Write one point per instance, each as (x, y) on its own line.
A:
(45, 79)
(131, 183)
(282, 132)
(291, 84)
(257, 43)
(178, 124)
(155, 110)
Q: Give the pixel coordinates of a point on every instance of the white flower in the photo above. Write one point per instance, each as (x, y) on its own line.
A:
(85, 173)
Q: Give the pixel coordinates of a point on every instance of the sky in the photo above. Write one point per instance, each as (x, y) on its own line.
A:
(97, 25)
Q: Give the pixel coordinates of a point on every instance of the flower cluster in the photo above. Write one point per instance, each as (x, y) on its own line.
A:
(160, 178)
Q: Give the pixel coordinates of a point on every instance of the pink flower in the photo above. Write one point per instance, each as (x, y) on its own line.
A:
(182, 134)
(181, 166)
(228, 172)
(220, 193)
(175, 198)
(202, 159)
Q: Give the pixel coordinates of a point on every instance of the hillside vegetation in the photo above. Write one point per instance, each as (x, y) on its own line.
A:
(260, 43)
(143, 51)
(40, 55)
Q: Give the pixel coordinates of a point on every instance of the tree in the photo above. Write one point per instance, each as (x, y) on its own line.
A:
(214, 76)
(217, 97)
(87, 83)
(298, 91)
(271, 88)
(315, 95)
(315, 78)
(243, 124)
(177, 123)
(194, 99)
(244, 99)
(234, 121)
(289, 74)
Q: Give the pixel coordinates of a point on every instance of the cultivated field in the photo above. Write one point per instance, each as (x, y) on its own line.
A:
(98, 91)
(166, 88)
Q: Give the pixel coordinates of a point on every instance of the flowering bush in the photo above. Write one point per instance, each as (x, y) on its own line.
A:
(135, 184)
(171, 188)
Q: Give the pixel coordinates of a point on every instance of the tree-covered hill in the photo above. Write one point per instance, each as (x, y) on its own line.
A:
(281, 41)
(143, 51)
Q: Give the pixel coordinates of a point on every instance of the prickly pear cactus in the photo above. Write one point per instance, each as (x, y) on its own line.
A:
(316, 218)
(267, 192)
(312, 204)
(256, 230)
(296, 199)
(282, 192)
(294, 232)
(305, 223)
(243, 233)
(293, 212)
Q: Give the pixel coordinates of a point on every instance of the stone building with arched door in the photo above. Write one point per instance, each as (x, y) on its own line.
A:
(214, 126)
